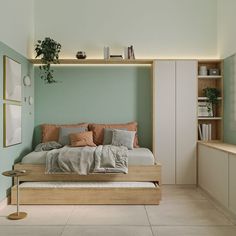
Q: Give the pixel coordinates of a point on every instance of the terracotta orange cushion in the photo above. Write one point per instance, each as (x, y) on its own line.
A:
(82, 139)
(50, 132)
(98, 131)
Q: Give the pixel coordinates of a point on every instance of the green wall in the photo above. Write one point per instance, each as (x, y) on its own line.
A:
(101, 94)
(229, 99)
(11, 154)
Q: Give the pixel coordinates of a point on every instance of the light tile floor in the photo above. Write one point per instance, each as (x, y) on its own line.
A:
(183, 211)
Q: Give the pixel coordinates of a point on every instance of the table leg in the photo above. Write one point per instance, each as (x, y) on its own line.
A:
(17, 215)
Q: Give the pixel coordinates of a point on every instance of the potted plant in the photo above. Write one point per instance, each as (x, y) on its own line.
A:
(212, 95)
(49, 51)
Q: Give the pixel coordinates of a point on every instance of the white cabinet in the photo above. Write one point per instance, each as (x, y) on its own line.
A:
(217, 172)
(186, 121)
(213, 173)
(232, 183)
(164, 105)
(175, 119)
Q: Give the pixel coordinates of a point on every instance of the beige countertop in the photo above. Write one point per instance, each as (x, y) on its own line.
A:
(230, 148)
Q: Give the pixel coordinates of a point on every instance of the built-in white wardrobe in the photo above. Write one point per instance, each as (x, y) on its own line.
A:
(175, 119)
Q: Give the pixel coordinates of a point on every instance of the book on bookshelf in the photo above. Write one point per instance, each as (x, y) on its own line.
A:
(205, 132)
(131, 52)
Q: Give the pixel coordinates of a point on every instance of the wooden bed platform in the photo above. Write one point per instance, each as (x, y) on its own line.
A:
(94, 195)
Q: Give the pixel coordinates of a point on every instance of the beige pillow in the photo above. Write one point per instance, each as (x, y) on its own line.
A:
(82, 139)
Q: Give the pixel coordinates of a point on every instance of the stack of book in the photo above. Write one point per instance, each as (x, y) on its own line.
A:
(205, 132)
(131, 53)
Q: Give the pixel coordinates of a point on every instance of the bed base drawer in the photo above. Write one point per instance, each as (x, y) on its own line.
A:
(115, 194)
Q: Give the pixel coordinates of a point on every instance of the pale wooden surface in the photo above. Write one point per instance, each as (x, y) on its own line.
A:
(150, 173)
(87, 195)
(213, 173)
(225, 147)
(98, 61)
(232, 183)
(186, 122)
(164, 117)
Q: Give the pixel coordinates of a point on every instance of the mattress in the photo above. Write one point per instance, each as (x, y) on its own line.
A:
(137, 156)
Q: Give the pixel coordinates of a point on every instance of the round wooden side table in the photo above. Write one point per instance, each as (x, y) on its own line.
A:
(16, 173)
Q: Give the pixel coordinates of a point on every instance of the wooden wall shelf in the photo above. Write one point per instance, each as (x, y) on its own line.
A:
(212, 81)
(210, 77)
(99, 61)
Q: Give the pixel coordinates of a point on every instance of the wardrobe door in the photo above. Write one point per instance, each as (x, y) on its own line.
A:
(186, 121)
(164, 118)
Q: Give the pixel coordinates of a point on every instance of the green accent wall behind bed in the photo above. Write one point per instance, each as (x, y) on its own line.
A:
(99, 94)
(9, 155)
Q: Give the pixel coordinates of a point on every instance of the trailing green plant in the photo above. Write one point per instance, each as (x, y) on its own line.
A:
(49, 51)
(212, 95)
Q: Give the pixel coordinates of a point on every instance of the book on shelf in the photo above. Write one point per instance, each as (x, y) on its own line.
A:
(205, 132)
(131, 52)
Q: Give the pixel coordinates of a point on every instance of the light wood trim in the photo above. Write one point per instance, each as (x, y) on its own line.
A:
(225, 147)
(87, 195)
(210, 60)
(97, 61)
(151, 173)
(209, 77)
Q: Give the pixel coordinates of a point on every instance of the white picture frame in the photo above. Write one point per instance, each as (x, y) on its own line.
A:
(203, 110)
(12, 124)
(12, 80)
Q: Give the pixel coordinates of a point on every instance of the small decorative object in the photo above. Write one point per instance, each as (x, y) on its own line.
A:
(214, 72)
(12, 124)
(116, 57)
(203, 70)
(212, 95)
(205, 109)
(106, 53)
(31, 100)
(27, 80)
(81, 55)
(49, 50)
(12, 80)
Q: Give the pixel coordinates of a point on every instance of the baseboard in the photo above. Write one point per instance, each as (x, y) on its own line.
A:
(224, 210)
(4, 203)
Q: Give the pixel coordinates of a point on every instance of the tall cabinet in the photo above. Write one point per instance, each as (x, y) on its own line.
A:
(175, 119)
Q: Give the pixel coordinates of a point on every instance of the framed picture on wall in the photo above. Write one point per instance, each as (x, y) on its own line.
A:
(12, 124)
(12, 79)
(205, 109)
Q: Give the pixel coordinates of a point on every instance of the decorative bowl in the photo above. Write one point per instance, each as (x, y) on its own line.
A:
(81, 55)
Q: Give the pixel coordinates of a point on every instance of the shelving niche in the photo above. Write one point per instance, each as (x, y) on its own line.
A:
(212, 81)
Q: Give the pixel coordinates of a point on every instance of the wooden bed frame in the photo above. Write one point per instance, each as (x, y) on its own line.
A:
(149, 173)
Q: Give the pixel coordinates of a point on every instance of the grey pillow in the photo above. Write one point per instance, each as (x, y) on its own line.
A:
(123, 138)
(108, 133)
(47, 146)
(65, 131)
